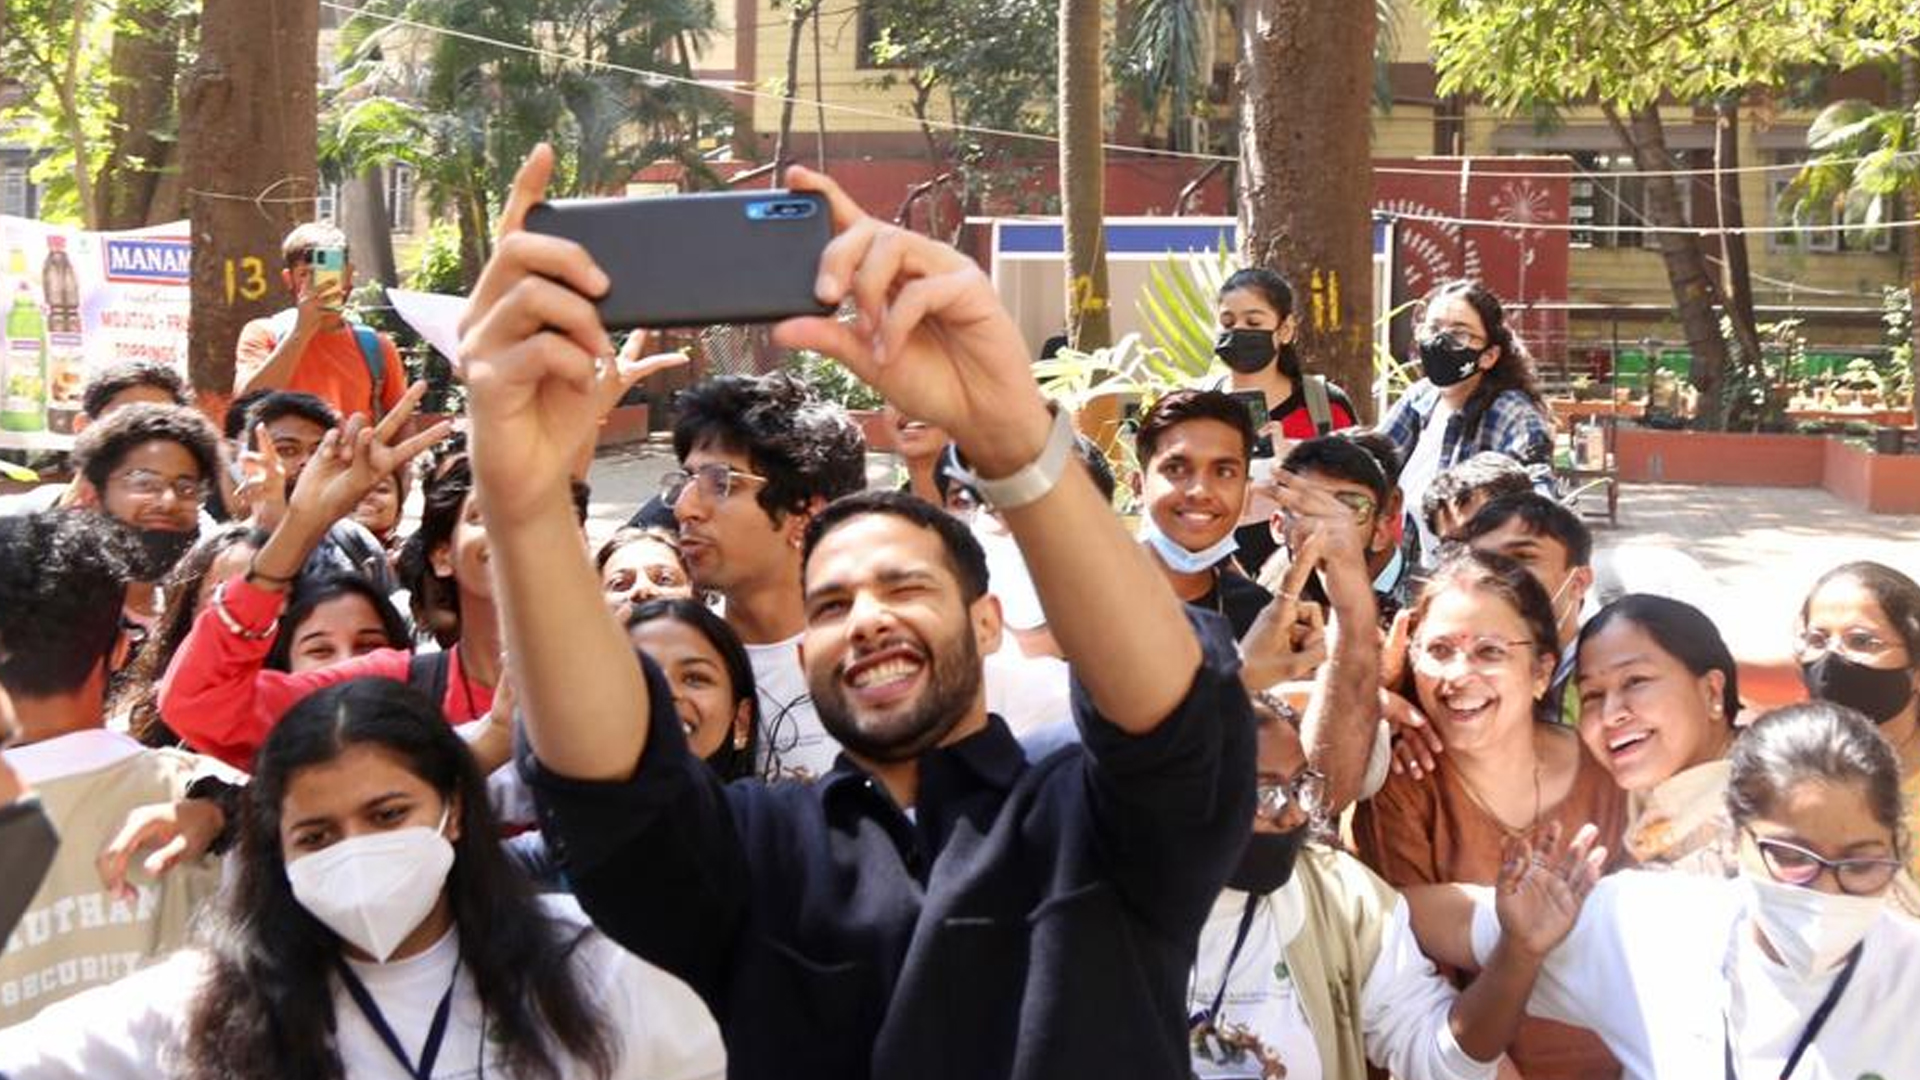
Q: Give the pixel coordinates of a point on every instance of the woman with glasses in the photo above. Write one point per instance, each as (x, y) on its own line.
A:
(1477, 394)
(1858, 645)
(1797, 968)
(1308, 966)
(1481, 653)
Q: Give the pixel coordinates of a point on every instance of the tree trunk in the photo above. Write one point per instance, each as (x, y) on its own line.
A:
(1695, 294)
(1305, 84)
(936, 157)
(1736, 267)
(68, 91)
(247, 136)
(1083, 169)
(364, 218)
(796, 23)
(145, 63)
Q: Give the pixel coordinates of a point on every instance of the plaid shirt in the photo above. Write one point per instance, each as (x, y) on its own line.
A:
(1510, 424)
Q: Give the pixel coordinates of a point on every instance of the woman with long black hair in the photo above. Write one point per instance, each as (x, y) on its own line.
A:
(373, 928)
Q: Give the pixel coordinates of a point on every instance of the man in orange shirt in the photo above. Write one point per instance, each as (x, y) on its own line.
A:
(311, 347)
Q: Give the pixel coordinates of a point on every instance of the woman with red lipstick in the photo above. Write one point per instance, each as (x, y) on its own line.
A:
(1481, 653)
(1658, 695)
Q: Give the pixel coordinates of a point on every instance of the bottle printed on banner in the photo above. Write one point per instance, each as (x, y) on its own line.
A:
(23, 365)
(66, 362)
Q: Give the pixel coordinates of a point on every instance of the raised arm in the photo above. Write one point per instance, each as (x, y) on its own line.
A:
(535, 357)
(933, 338)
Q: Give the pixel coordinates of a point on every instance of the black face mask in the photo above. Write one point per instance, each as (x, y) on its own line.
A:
(160, 550)
(1881, 694)
(1245, 351)
(1267, 863)
(27, 846)
(1446, 362)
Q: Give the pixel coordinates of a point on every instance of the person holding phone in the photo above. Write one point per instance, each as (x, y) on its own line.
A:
(1258, 338)
(937, 905)
(312, 346)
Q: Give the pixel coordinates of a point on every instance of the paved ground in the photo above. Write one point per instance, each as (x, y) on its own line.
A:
(1761, 547)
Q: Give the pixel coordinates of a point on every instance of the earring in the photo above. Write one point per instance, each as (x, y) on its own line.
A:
(739, 739)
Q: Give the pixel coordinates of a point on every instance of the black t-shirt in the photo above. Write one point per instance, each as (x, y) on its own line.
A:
(1237, 597)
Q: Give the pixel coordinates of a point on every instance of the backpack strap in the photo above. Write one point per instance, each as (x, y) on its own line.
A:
(429, 672)
(1319, 410)
(369, 341)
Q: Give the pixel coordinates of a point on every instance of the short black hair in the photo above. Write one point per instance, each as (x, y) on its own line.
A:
(234, 426)
(1342, 459)
(964, 555)
(1541, 516)
(1179, 407)
(279, 403)
(1683, 632)
(1375, 442)
(117, 379)
(63, 582)
(1489, 472)
(103, 446)
(806, 446)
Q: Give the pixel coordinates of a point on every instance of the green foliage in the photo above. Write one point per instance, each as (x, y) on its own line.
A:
(439, 269)
(1178, 307)
(1630, 53)
(831, 380)
(1896, 314)
(66, 80)
(1865, 158)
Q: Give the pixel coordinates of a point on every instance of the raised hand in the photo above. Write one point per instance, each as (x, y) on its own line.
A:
(633, 365)
(263, 482)
(1288, 639)
(930, 335)
(1416, 745)
(532, 353)
(1542, 884)
(352, 458)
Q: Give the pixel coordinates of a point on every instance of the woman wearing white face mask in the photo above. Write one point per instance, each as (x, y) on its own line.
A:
(1796, 969)
(372, 928)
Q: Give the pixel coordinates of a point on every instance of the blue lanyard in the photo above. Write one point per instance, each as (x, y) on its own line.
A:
(436, 1032)
(1814, 1023)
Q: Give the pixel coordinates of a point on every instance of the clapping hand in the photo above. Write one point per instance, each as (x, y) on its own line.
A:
(1542, 884)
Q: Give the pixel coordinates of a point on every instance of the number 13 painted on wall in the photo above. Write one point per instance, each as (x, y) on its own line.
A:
(246, 278)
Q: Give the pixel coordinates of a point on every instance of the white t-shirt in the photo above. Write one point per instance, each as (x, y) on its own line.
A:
(1403, 1003)
(790, 731)
(130, 1029)
(1423, 464)
(1646, 968)
(1028, 692)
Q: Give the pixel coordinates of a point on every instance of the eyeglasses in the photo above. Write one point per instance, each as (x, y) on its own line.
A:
(1434, 655)
(1791, 864)
(715, 479)
(151, 485)
(1462, 338)
(1857, 643)
(1308, 791)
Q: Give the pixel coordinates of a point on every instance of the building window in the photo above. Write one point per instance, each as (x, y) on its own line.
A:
(400, 198)
(16, 193)
(1600, 201)
(326, 203)
(1814, 239)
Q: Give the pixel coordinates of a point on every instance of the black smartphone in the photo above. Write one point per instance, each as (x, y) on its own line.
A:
(698, 260)
(1255, 402)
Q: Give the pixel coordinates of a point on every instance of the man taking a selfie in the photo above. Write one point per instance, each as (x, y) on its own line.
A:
(311, 346)
(936, 905)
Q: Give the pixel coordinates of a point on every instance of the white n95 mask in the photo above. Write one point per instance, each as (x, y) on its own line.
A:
(1810, 931)
(374, 890)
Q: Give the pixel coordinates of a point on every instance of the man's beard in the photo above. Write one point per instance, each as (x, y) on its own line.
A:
(953, 683)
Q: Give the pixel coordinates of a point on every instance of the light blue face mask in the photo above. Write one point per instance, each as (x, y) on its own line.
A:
(1178, 558)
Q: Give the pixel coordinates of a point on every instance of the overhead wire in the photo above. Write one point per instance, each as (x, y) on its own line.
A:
(1489, 165)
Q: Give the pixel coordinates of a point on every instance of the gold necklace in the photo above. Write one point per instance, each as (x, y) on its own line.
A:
(1473, 794)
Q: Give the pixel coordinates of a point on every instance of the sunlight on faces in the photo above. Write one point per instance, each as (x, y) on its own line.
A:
(366, 789)
(1196, 484)
(1832, 820)
(1643, 715)
(166, 462)
(703, 693)
(642, 570)
(1474, 707)
(339, 629)
(1247, 309)
(1848, 616)
(380, 510)
(294, 438)
(464, 557)
(891, 652)
(1281, 759)
(733, 541)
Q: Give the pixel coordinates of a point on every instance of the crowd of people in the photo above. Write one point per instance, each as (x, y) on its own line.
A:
(1347, 756)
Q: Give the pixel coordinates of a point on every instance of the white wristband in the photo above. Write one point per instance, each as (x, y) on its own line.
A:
(1034, 479)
